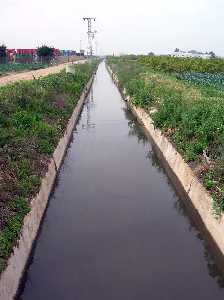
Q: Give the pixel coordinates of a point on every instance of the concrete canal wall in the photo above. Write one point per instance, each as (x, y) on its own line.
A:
(181, 174)
(10, 278)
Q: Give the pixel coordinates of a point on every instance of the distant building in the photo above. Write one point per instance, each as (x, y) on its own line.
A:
(191, 54)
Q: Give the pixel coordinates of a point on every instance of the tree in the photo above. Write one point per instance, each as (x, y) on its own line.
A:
(194, 52)
(177, 50)
(3, 53)
(151, 54)
(45, 53)
(212, 54)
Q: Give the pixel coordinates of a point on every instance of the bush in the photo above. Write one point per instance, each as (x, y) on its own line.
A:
(45, 53)
(3, 53)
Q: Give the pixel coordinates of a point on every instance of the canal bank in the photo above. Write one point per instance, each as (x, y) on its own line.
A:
(19, 250)
(186, 182)
(115, 228)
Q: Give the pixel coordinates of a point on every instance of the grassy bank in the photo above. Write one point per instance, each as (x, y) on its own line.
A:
(33, 117)
(187, 104)
(19, 67)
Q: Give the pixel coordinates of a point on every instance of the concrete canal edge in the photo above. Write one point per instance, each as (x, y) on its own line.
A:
(11, 276)
(185, 181)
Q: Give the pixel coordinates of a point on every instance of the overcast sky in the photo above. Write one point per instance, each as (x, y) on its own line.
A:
(138, 26)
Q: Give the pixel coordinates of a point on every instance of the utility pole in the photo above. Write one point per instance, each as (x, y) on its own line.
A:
(96, 47)
(91, 35)
(80, 46)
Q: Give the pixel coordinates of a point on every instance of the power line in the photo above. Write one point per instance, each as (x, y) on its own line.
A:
(91, 35)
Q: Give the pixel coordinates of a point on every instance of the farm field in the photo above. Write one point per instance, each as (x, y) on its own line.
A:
(33, 117)
(185, 99)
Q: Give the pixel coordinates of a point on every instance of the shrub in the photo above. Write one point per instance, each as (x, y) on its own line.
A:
(45, 53)
(3, 53)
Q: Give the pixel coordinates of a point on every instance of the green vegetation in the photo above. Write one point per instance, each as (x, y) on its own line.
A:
(189, 110)
(19, 67)
(3, 53)
(33, 117)
(45, 53)
(203, 79)
(176, 64)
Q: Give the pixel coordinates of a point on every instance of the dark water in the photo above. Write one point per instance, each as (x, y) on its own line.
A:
(115, 228)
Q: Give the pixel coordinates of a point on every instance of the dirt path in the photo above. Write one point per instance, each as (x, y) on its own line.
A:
(37, 73)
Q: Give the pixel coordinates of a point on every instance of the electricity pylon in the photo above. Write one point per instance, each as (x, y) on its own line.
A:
(91, 35)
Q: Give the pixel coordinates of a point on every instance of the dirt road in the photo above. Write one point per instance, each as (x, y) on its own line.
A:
(37, 73)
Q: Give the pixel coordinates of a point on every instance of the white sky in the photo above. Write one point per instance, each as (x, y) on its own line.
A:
(138, 26)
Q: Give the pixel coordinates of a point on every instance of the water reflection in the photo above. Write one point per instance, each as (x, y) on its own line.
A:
(89, 106)
(136, 130)
(213, 269)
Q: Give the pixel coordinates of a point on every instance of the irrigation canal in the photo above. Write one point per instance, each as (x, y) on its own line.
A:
(115, 228)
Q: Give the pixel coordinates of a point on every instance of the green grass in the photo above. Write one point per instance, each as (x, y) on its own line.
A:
(191, 116)
(33, 117)
(170, 64)
(19, 67)
(9, 234)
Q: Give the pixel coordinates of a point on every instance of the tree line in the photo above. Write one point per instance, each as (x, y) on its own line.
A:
(45, 53)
